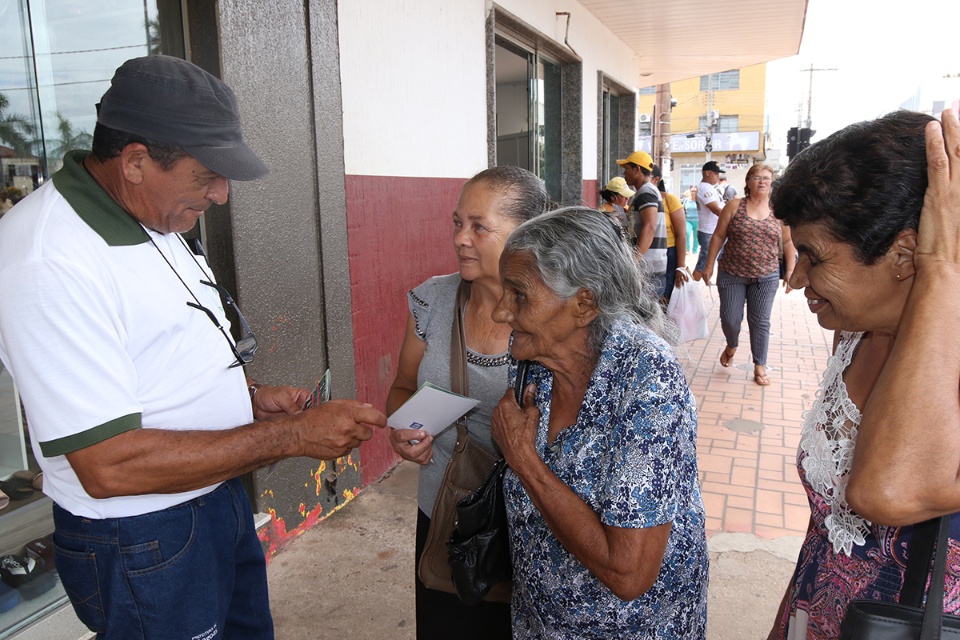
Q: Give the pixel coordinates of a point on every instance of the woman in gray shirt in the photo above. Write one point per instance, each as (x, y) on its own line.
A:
(491, 205)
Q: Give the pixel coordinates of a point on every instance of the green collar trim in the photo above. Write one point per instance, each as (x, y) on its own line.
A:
(94, 205)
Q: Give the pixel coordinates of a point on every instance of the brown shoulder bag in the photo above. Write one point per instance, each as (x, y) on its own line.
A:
(468, 468)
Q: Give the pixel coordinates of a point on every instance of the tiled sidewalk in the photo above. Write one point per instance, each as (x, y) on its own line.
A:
(749, 434)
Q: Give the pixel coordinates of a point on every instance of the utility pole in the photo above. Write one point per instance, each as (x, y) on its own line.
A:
(708, 148)
(809, 121)
(661, 129)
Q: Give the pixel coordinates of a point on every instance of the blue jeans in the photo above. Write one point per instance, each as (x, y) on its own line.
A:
(704, 240)
(194, 571)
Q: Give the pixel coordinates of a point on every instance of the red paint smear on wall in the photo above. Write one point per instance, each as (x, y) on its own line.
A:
(399, 234)
(275, 534)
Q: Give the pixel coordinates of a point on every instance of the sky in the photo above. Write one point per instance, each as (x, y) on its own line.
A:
(882, 52)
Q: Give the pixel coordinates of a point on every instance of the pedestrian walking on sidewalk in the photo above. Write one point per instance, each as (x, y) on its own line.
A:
(749, 269)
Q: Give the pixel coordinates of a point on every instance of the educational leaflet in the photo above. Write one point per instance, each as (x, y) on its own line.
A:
(431, 409)
(320, 395)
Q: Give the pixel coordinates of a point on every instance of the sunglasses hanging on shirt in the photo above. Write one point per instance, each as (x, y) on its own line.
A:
(246, 347)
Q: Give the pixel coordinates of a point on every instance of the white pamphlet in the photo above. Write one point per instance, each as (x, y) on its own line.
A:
(431, 409)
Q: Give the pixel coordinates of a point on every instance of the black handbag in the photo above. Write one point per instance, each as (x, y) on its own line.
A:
(909, 620)
(479, 548)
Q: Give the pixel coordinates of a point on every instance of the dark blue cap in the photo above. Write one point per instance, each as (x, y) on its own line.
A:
(175, 102)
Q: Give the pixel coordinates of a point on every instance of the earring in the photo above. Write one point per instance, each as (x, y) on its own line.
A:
(898, 276)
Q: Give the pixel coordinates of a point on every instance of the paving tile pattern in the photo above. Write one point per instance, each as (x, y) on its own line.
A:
(749, 434)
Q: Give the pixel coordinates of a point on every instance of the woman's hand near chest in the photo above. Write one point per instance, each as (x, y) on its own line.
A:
(626, 560)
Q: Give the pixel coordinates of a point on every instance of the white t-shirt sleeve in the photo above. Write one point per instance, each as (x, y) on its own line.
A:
(706, 193)
(62, 333)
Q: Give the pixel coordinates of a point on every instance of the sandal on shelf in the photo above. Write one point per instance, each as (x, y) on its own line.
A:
(726, 356)
(34, 477)
(41, 550)
(17, 488)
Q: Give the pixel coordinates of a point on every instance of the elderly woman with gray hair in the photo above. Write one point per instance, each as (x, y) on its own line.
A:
(605, 513)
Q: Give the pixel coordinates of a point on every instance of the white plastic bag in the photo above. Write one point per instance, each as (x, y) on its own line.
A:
(687, 309)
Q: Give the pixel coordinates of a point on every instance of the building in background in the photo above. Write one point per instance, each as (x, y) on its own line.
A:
(718, 116)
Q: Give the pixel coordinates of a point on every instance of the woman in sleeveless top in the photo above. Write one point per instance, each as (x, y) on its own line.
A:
(491, 205)
(749, 268)
(880, 448)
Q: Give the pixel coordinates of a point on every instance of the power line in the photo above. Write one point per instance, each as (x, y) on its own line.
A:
(54, 84)
(61, 53)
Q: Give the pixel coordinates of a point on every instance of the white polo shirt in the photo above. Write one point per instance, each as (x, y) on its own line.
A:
(96, 331)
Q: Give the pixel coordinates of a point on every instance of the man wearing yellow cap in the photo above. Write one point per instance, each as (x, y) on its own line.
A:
(650, 226)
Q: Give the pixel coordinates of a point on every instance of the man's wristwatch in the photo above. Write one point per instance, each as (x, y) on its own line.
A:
(253, 388)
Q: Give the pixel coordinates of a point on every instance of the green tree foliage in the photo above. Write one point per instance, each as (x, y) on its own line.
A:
(16, 130)
(68, 139)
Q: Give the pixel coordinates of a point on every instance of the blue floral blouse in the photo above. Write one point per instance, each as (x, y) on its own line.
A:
(632, 457)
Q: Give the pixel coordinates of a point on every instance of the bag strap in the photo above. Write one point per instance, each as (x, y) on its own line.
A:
(933, 612)
(918, 563)
(520, 383)
(458, 359)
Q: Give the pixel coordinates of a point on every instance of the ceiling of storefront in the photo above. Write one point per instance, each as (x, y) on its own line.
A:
(679, 39)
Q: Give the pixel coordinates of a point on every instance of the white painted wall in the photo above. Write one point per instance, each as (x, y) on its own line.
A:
(414, 80)
(414, 87)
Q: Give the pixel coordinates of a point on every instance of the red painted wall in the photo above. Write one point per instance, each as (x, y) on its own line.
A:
(590, 194)
(399, 234)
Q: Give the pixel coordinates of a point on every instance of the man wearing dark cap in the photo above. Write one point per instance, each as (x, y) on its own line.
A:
(649, 223)
(709, 206)
(139, 412)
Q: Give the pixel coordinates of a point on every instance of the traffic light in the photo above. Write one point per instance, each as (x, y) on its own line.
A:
(805, 134)
(793, 142)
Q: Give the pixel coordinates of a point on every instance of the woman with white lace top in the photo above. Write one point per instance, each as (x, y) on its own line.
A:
(880, 448)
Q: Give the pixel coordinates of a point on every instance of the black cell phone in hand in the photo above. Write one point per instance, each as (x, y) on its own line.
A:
(521, 381)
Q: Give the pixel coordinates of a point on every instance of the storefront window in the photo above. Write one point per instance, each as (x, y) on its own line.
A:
(56, 61)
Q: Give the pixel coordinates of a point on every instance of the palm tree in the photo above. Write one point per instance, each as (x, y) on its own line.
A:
(68, 139)
(15, 130)
(153, 37)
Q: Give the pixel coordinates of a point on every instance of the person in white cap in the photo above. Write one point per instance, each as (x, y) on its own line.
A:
(139, 411)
